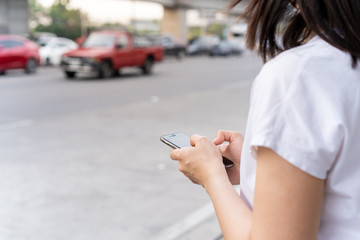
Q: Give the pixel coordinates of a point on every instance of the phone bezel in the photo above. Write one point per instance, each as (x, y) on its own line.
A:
(227, 163)
(167, 142)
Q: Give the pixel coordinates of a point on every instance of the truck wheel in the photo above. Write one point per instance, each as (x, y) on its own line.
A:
(2, 72)
(70, 74)
(31, 66)
(148, 66)
(105, 70)
(117, 73)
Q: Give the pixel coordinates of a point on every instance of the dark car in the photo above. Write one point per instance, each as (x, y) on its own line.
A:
(225, 48)
(202, 45)
(17, 52)
(171, 47)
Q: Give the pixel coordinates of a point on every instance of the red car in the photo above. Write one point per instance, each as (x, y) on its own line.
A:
(107, 52)
(18, 53)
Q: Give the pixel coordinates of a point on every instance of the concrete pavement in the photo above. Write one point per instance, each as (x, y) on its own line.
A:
(104, 174)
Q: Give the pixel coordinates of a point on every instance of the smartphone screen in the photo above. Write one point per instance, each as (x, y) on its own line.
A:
(176, 140)
(180, 140)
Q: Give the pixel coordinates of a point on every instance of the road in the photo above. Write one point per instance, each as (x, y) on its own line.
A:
(81, 159)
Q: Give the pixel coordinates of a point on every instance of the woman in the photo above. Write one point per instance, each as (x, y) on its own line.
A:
(300, 159)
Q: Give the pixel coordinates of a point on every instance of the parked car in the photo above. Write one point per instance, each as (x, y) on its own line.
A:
(225, 48)
(42, 38)
(170, 45)
(106, 52)
(53, 50)
(202, 45)
(17, 52)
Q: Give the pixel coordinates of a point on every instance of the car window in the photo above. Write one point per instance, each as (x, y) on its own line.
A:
(99, 40)
(166, 40)
(68, 43)
(225, 44)
(60, 45)
(10, 43)
(123, 41)
(141, 42)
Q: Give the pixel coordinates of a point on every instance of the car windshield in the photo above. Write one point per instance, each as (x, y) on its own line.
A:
(7, 43)
(4, 43)
(49, 43)
(99, 40)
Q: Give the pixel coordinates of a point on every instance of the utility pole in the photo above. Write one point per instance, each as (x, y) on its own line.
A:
(83, 24)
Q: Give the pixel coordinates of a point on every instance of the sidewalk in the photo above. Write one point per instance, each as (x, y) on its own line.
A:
(200, 225)
(103, 173)
(209, 229)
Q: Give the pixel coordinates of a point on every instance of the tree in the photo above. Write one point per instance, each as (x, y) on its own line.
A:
(38, 14)
(194, 31)
(212, 29)
(216, 29)
(64, 21)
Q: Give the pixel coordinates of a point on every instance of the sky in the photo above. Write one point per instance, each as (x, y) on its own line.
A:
(115, 10)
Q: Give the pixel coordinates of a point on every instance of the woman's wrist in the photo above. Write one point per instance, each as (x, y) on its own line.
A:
(215, 182)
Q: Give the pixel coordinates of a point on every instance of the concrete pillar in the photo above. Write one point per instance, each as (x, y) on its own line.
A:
(174, 23)
(14, 17)
(4, 6)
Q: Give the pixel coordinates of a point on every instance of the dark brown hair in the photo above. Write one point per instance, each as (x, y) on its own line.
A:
(335, 21)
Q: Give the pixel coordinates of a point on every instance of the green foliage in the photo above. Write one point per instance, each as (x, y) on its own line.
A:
(194, 31)
(216, 29)
(37, 13)
(64, 22)
(212, 29)
(111, 26)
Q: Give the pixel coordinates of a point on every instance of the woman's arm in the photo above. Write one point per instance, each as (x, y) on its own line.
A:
(287, 203)
(234, 216)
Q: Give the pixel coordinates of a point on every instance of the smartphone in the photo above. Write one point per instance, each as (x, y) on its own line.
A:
(180, 140)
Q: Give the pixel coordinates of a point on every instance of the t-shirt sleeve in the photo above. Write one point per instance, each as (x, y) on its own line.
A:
(292, 115)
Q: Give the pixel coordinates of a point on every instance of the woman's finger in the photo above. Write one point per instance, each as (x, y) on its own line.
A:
(225, 136)
(194, 139)
(223, 148)
(175, 154)
(222, 136)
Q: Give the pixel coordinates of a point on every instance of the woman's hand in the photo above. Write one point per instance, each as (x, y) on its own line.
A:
(200, 163)
(232, 151)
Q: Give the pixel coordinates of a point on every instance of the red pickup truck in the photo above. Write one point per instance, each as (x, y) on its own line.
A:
(106, 52)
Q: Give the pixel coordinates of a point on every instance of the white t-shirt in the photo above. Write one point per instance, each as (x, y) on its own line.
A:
(305, 105)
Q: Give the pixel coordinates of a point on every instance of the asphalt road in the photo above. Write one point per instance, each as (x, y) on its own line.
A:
(81, 159)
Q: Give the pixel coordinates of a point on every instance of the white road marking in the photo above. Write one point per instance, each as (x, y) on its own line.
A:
(183, 226)
(196, 218)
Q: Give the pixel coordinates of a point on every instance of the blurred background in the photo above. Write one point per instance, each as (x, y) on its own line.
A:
(87, 87)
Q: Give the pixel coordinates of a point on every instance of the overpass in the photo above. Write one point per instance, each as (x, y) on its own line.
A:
(194, 4)
(14, 14)
(174, 20)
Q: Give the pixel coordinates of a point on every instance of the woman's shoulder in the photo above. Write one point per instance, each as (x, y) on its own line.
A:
(307, 74)
(314, 62)
(314, 54)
